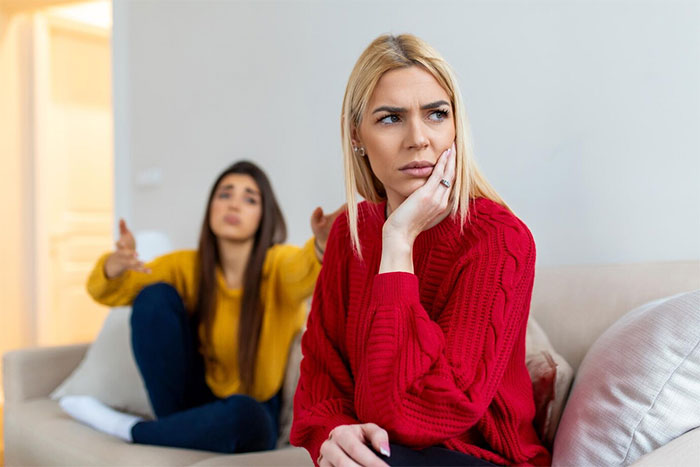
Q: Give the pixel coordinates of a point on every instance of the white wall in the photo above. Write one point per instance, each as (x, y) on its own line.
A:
(585, 114)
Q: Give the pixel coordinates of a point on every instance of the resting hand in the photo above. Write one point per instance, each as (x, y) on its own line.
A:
(347, 446)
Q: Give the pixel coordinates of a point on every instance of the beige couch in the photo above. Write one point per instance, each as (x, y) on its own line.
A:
(574, 305)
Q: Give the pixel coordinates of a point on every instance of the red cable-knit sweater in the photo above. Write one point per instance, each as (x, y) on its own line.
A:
(436, 357)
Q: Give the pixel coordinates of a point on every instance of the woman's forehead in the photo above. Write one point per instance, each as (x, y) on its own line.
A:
(244, 181)
(410, 86)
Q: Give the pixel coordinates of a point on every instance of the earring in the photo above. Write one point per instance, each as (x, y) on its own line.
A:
(359, 151)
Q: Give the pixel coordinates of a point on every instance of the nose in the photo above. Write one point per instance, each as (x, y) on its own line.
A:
(416, 137)
(234, 203)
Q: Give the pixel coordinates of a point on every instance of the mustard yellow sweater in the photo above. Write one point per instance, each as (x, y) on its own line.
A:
(288, 278)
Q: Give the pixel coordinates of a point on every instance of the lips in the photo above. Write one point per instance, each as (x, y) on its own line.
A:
(231, 219)
(418, 168)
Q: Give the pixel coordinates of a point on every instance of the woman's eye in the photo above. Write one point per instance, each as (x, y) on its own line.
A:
(252, 201)
(438, 115)
(393, 118)
(224, 195)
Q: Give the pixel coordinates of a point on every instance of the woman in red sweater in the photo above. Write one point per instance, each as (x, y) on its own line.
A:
(415, 346)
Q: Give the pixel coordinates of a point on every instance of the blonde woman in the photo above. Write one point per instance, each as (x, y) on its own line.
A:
(415, 346)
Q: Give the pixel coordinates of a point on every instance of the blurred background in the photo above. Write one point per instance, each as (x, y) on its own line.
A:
(585, 116)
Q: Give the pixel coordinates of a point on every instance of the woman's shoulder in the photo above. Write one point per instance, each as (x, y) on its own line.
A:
(284, 254)
(184, 260)
(179, 256)
(491, 221)
(370, 219)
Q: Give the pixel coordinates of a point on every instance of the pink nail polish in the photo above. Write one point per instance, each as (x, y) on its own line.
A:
(384, 449)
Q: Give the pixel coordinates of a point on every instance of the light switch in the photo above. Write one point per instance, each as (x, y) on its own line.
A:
(149, 178)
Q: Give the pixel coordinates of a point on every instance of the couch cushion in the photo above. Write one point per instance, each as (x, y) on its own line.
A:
(637, 388)
(108, 372)
(682, 451)
(38, 432)
(575, 304)
(288, 457)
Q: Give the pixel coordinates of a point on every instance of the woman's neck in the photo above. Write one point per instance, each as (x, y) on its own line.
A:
(233, 256)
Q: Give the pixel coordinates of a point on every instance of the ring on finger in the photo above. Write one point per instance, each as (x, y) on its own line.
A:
(445, 182)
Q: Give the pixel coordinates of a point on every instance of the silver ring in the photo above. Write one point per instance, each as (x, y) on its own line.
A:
(445, 182)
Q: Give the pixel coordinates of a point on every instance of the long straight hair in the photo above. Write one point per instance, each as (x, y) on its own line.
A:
(271, 230)
(385, 53)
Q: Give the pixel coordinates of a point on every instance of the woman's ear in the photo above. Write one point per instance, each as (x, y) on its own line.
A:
(355, 138)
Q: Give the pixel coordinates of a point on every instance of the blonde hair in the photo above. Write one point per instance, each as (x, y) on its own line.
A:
(385, 53)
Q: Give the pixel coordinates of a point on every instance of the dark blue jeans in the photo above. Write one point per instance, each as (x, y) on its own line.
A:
(165, 343)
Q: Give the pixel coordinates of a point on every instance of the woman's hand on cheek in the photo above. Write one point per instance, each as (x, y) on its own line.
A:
(347, 446)
(425, 205)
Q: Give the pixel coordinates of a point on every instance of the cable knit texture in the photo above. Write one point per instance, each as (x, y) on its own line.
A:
(436, 357)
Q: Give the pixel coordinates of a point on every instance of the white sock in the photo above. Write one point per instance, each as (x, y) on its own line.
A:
(101, 417)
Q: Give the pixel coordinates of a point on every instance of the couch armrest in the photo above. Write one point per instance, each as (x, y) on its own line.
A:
(32, 373)
(684, 450)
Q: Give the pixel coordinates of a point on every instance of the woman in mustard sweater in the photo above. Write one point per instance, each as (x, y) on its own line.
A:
(211, 328)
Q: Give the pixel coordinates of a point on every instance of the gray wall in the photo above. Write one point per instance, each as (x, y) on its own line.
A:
(585, 115)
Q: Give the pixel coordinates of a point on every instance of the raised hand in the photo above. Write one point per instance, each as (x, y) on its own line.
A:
(321, 224)
(125, 257)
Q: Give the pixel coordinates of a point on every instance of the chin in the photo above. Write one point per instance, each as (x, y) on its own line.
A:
(407, 188)
(231, 235)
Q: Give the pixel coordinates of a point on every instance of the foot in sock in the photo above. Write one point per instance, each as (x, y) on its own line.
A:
(99, 416)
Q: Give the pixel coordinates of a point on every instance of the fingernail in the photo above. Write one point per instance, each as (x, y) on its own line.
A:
(384, 449)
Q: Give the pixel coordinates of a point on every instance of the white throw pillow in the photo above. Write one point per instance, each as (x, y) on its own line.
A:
(637, 388)
(108, 372)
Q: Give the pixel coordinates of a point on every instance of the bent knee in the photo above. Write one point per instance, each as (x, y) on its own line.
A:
(154, 301)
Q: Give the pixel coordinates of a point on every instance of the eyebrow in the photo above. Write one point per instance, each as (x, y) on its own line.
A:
(249, 190)
(432, 105)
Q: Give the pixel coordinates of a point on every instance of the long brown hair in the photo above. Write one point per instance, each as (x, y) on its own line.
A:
(272, 230)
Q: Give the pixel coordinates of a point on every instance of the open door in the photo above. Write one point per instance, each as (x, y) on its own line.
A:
(73, 170)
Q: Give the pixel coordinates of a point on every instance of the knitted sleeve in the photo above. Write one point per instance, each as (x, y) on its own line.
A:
(429, 380)
(323, 399)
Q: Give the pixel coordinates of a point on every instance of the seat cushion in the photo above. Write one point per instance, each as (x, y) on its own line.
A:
(288, 457)
(38, 432)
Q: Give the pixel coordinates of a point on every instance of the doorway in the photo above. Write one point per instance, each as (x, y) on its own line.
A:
(56, 158)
